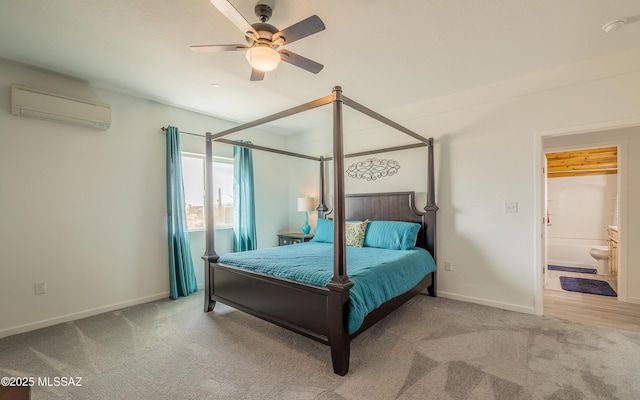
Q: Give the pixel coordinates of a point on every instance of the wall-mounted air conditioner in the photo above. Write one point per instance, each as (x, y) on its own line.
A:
(34, 103)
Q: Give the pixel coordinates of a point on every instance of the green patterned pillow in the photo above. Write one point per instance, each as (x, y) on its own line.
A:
(355, 232)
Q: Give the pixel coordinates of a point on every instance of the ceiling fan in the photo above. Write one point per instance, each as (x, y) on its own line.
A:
(264, 40)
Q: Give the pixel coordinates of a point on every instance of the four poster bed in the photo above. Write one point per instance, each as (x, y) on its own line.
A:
(305, 287)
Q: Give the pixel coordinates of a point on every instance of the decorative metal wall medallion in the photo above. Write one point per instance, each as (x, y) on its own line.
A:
(372, 169)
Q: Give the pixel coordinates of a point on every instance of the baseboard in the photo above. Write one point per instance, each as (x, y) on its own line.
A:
(572, 264)
(79, 315)
(485, 302)
(634, 300)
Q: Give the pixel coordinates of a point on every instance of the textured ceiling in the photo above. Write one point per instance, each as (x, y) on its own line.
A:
(383, 53)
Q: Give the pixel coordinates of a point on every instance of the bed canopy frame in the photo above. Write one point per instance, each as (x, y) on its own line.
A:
(336, 295)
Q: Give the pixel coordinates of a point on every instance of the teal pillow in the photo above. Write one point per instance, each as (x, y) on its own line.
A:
(394, 235)
(355, 232)
(324, 231)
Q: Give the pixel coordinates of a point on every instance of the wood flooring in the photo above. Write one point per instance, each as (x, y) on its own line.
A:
(588, 308)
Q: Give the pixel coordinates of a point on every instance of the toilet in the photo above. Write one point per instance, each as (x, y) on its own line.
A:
(601, 255)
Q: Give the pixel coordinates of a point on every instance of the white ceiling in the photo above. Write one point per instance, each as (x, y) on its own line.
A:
(383, 53)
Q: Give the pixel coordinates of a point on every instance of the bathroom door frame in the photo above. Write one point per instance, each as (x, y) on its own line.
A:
(597, 143)
(540, 199)
(545, 218)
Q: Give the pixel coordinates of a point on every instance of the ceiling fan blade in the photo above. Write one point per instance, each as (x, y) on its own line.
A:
(300, 61)
(304, 28)
(229, 11)
(257, 75)
(212, 48)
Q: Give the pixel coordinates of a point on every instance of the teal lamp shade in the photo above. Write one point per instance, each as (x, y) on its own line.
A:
(305, 204)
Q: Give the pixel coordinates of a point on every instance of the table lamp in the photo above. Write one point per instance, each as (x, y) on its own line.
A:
(305, 204)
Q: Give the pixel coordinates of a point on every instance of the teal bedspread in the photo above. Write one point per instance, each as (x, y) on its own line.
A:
(378, 275)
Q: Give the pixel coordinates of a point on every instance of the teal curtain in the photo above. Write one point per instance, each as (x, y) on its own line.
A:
(182, 278)
(244, 213)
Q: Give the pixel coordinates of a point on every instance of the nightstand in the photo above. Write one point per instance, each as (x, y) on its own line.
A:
(292, 238)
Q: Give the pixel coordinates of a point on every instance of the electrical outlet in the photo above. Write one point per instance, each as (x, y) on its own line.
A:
(40, 287)
(448, 265)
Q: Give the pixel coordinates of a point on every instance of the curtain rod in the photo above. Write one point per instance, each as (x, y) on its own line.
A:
(163, 129)
(251, 146)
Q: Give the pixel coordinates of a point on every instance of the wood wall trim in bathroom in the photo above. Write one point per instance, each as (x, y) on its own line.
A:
(599, 161)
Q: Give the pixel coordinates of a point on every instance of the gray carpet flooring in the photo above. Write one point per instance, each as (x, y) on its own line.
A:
(431, 348)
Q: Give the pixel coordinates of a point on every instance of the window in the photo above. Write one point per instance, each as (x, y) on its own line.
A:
(223, 192)
(193, 178)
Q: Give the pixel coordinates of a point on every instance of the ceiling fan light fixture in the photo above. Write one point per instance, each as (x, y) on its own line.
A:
(263, 58)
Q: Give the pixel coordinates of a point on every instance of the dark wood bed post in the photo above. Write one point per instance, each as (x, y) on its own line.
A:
(322, 207)
(210, 251)
(431, 208)
(339, 286)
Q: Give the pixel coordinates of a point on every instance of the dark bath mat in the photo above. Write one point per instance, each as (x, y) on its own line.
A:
(591, 286)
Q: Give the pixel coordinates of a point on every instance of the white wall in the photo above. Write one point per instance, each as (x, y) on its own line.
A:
(581, 207)
(85, 210)
(488, 144)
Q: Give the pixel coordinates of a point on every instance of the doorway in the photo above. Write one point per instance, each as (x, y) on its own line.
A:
(597, 135)
(582, 219)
